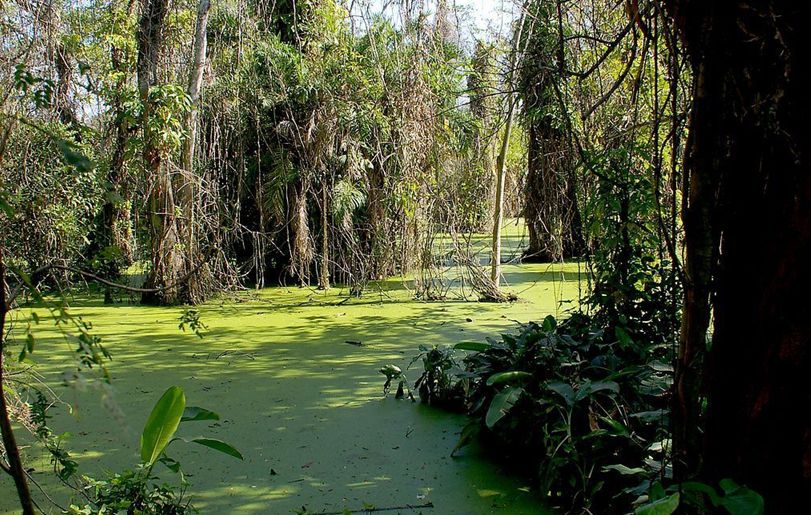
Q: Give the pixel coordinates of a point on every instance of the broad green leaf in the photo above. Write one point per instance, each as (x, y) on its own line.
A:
(664, 506)
(705, 489)
(650, 416)
(623, 337)
(472, 346)
(588, 388)
(624, 470)
(162, 424)
(740, 500)
(170, 463)
(73, 157)
(615, 426)
(508, 377)
(218, 445)
(468, 433)
(193, 414)
(564, 390)
(501, 404)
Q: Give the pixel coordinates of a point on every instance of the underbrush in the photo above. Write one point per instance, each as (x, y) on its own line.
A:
(580, 406)
(583, 410)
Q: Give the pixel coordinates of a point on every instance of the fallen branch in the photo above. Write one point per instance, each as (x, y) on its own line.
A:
(376, 510)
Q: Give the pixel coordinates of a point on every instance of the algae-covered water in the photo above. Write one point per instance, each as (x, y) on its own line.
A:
(303, 406)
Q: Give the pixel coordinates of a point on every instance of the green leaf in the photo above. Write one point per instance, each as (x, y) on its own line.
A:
(588, 388)
(703, 488)
(162, 424)
(508, 377)
(74, 158)
(219, 445)
(472, 346)
(740, 500)
(664, 506)
(468, 433)
(564, 390)
(5, 207)
(623, 337)
(194, 414)
(170, 463)
(501, 404)
(549, 324)
(624, 470)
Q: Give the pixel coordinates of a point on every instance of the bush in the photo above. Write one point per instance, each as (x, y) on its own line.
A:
(578, 407)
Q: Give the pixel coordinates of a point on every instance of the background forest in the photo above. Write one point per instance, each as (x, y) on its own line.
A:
(171, 152)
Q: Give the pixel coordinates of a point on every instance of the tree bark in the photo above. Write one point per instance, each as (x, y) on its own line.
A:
(498, 204)
(117, 212)
(749, 225)
(12, 452)
(185, 182)
(550, 202)
(167, 261)
(323, 272)
(550, 207)
(501, 165)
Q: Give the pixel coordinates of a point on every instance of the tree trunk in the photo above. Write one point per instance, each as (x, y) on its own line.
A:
(167, 261)
(116, 212)
(323, 273)
(185, 182)
(550, 201)
(12, 452)
(301, 251)
(501, 165)
(498, 204)
(749, 223)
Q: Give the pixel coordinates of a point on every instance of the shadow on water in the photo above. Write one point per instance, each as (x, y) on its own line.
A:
(304, 406)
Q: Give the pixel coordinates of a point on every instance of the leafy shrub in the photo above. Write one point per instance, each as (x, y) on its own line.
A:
(580, 408)
(138, 491)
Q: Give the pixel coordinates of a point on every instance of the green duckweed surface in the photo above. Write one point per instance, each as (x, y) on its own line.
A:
(304, 406)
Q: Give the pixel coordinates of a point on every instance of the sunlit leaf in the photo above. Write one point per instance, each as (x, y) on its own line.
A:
(472, 346)
(218, 445)
(508, 377)
(162, 424)
(194, 414)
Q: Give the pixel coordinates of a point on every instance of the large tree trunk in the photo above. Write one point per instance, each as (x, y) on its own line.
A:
(550, 192)
(167, 261)
(116, 212)
(749, 223)
(550, 206)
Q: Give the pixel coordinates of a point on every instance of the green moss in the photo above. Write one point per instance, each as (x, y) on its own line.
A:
(304, 407)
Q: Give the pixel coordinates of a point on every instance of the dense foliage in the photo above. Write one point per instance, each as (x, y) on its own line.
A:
(189, 149)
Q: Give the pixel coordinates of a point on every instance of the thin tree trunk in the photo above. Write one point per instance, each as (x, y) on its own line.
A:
(501, 164)
(700, 256)
(15, 464)
(185, 182)
(498, 207)
(323, 276)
